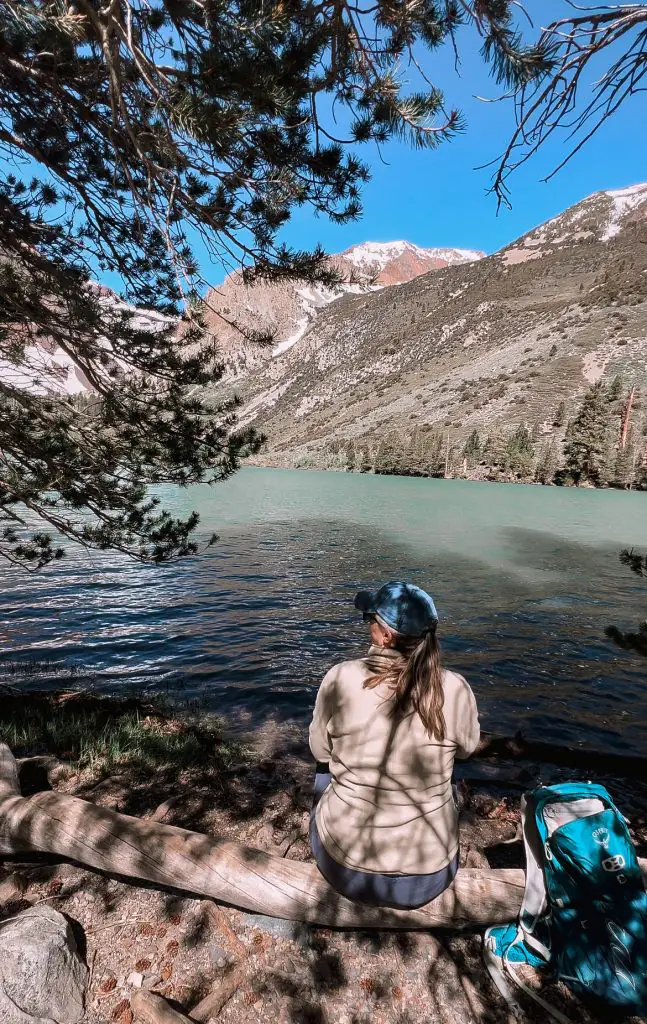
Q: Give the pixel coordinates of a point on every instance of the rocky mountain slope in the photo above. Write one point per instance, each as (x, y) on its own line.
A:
(45, 369)
(289, 309)
(501, 340)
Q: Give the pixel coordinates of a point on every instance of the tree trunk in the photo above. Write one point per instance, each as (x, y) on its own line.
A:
(175, 858)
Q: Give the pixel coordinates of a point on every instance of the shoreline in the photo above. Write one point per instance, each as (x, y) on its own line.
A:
(467, 479)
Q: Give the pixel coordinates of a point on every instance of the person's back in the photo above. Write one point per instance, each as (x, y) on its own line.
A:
(390, 741)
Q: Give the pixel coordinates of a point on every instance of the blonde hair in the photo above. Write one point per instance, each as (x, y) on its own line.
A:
(417, 684)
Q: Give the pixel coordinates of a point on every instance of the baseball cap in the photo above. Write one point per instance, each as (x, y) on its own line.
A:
(402, 606)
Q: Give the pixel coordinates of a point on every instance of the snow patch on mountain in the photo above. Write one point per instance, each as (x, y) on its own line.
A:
(43, 373)
(311, 299)
(302, 327)
(624, 201)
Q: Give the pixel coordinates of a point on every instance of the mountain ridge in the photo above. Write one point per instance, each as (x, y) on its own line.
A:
(289, 309)
(498, 341)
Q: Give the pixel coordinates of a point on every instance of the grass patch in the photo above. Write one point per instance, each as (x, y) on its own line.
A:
(104, 734)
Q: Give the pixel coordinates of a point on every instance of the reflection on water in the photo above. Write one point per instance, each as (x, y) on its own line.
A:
(525, 579)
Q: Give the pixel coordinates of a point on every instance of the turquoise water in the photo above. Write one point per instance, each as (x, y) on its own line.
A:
(525, 580)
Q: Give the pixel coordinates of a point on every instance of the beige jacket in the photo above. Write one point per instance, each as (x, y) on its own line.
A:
(389, 807)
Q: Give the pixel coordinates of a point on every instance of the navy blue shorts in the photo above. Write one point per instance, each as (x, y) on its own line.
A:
(400, 892)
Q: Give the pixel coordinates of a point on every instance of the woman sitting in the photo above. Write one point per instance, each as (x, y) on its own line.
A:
(385, 732)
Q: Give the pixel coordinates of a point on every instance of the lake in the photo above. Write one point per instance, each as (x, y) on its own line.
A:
(525, 580)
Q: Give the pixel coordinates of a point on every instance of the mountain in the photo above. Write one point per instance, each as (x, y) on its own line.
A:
(500, 340)
(386, 263)
(289, 309)
(45, 369)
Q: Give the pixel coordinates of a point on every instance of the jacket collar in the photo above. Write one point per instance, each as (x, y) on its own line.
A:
(383, 659)
(384, 652)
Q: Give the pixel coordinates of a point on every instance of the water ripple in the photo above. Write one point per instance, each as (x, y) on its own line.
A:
(526, 580)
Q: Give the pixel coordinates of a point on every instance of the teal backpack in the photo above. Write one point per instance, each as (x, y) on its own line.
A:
(584, 912)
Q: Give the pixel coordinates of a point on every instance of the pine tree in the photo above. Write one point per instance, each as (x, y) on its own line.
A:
(416, 453)
(388, 459)
(432, 455)
(381, 457)
(559, 418)
(587, 446)
(496, 450)
(624, 470)
(139, 126)
(520, 452)
(473, 450)
(365, 463)
(615, 389)
(349, 451)
(548, 464)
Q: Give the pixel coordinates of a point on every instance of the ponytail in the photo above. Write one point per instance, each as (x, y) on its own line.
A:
(419, 683)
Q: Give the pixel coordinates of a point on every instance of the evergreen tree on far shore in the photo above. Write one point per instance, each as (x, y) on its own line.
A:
(435, 455)
(496, 449)
(548, 464)
(365, 462)
(473, 449)
(587, 445)
(559, 419)
(521, 452)
(624, 469)
(388, 459)
(615, 389)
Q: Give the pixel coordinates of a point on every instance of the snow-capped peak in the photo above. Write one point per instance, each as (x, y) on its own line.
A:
(375, 252)
(380, 253)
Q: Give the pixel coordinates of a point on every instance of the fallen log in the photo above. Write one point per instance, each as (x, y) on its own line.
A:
(150, 1008)
(213, 1003)
(171, 857)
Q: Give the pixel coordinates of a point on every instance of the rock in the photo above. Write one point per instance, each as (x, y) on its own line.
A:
(135, 979)
(218, 956)
(12, 888)
(264, 838)
(277, 927)
(112, 792)
(164, 810)
(43, 978)
(476, 858)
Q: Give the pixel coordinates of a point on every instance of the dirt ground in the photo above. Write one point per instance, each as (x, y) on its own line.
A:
(183, 947)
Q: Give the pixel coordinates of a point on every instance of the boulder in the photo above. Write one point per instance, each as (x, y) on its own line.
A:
(42, 977)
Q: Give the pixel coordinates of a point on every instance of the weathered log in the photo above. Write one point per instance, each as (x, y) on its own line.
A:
(220, 995)
(175, 858)
(172, 857)
(150, 1008)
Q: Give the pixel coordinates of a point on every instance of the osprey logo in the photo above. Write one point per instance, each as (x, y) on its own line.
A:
(602, 837)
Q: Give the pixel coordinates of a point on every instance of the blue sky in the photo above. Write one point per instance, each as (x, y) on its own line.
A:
(439, 198)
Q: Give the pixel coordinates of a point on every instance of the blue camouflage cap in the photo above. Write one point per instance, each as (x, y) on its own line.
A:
(402, 606)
